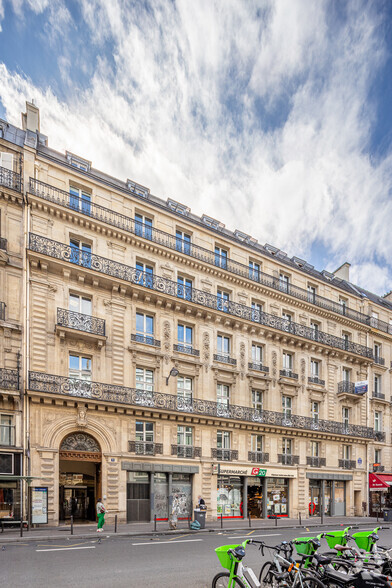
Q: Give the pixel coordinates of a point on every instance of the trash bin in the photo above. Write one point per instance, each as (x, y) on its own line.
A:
(200, 517)
(387, 514)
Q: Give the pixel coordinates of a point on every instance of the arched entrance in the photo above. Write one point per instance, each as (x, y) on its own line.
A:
(80, 476)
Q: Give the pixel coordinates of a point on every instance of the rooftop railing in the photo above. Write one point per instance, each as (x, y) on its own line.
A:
(64, 386)
(10, 179)
(118, 270)
(125, 223)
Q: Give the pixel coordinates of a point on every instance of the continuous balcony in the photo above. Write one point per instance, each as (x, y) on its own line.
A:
(9, 379)
(288, 374)
(188, 349)
(80, 322)
(286, 459)
(145, 339)
(120, 221)
(71, 387)
(258, 457)
(223, 358)
(10, 179)
(224, 454)
(257, 366)
(186, 451)
(347, 464)
(60, 251)
(316, 380)
(2, 311)
(316, 462)
(145, 448)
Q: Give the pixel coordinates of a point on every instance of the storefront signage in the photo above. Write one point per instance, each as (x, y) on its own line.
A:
(222, 470)
(380, 481)
(259, 472)
(39, 505)
(361, 387)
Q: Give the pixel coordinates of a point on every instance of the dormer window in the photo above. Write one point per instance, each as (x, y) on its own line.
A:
(212, 222)
(78, 162)
(138, 189)
(177, 207)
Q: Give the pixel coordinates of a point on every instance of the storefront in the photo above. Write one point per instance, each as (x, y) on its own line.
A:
(327, 492)
(158, 490)
(380, 493)
(10, 486)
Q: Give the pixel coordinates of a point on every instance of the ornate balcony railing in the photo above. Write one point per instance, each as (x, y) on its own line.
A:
(224, 359)
(379, 395)
(7, 435)
(3, 244)
(224, 454)
(347, 464)
(259, 367)
(2, 311)
(10, 179)
(183, 348)
(316, 380)
(61, 385)
(186, 451)
(145, 448)
(285, 459)
(9, 379)
(63, 252)
(378, 468)
(346, 388)
(80, 322)
(379, 360)
(315, 462)
(288, 374)
(258, 457)
(116, 219)
(146, 339)
(379, 436)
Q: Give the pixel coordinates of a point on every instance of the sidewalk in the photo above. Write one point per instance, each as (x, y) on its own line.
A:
(87, 531)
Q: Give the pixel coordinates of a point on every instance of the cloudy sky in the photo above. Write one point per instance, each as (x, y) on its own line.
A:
(274, 116)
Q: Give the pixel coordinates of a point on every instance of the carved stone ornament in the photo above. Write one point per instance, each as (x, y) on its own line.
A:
(81, 419)
(303, 367)
(242, 360)
(166, 341)
(80, 442)
(274, 366)
(206, 349)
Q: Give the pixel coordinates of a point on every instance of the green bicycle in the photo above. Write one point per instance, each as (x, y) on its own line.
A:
(230, 557)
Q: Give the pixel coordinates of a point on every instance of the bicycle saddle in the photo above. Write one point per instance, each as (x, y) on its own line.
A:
(342, 548)
(321, 559)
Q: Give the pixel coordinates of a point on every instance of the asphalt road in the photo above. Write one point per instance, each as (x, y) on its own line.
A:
(168, 562)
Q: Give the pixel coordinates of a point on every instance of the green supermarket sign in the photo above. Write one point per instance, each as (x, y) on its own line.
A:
(259, 472)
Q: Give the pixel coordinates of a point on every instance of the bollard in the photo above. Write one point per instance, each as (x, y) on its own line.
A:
(276, 520)
(221, 520)
(377, 515)
(155, 522)
(71, 524)
(21, 526)
(299, 516)
(115, 523)
(322, 515)
(249, 519)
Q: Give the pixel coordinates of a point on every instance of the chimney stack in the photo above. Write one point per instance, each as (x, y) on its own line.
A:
(30, 118)
(343, 272)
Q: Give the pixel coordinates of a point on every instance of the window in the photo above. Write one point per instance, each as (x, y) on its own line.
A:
(287, 447)
(374, 319)
(7, 160)
(144, 274)
(377, 351)
(223, 345)
(82, 304)
(144, 431)
(287, 362)
(257, 400)
(345, 418)
(222, 301)
(343, 303)
(184, 435)
(346, 452)
(256, 443)
(377, 456)
(221, 257)
(314, 368)
(254, 271)
(284, 283)
(223, 439)
(145, 328)
(286, 406)
(80, 367)
(315, 408)
(184, 288)
(315, 330)
(377, 384)
(346, 340)
(183, 242)
(312, 294)
(346, 375)
(287, 316)
(143, 226)
(314, 448)
(144, 379)
(184, 337)
(377, 421)
(6, 430)
(257, 309)
(257, 354)
(223, 395)
(80, 200)
(80, 253)
(184, 388)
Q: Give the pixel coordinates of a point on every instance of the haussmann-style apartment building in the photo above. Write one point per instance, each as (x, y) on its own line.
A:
(148, 355)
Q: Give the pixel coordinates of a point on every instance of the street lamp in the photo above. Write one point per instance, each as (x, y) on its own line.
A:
(173, 372)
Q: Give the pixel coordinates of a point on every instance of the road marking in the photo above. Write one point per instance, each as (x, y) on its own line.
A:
(251, 532)
(68, 548)
(240, 536)
(179, 537)
(171, 542)
(71, 545)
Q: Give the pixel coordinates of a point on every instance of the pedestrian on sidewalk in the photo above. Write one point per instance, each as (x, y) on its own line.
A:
(201, 505)
(101, 510)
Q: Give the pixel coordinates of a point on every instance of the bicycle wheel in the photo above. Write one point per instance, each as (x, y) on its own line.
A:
(222, 581)
(266, 576)
(312, 583)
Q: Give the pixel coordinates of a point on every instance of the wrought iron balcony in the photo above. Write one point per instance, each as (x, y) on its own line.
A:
(2, 311)
(379, 360)
(3, 244)
(9, 379)
(259, 367)
(224, 359)
(378, 468)
(347, 388)
(347, 464)
(285, 459)
(316, 380)
(379, 436)
(288, 374)
(258, 457)
(115, 219)
(80, 322)
(146, 339)
(145, 448)
(183, 348)
(7, 435)
(52, 384)
(316, 462)
(186, 451)
(224, 454)
(379, 395)
(118, 270)
(10, 179)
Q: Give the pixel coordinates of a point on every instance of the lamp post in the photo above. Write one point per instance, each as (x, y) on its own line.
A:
(173, 372)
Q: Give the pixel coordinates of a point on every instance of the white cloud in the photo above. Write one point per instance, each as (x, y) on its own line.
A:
(185, 101)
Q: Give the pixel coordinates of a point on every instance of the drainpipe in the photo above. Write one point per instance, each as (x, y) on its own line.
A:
(367, 424)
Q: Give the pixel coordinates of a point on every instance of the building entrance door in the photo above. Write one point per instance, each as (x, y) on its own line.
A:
(314, 498)
(138, 497)
(255, 499)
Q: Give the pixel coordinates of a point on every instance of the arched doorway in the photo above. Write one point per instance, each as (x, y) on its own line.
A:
(80, 476)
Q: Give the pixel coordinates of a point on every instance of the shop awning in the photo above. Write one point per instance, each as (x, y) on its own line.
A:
(380, 481)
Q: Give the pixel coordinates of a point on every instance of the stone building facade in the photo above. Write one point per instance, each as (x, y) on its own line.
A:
(159, 356)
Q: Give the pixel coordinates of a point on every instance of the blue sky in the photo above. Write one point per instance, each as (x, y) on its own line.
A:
(273, 115)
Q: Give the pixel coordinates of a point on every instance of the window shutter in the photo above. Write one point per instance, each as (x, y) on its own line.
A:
(7, 161)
